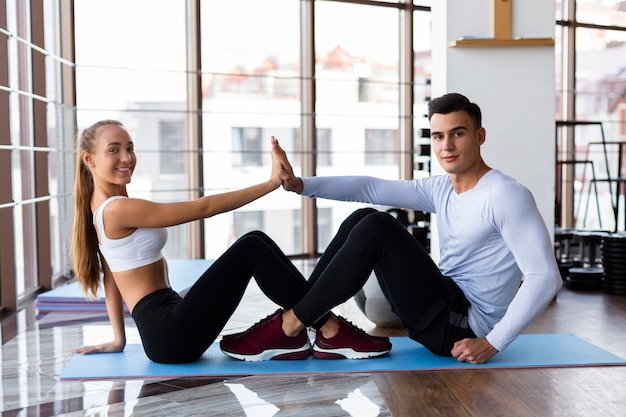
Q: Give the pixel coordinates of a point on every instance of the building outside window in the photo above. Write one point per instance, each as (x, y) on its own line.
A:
(381, 146)
(247, 147)
(172, 145)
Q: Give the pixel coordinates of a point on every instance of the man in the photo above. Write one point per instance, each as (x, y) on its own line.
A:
(497, 270)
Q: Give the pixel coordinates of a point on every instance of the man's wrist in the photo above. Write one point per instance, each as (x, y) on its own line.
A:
(496, 350)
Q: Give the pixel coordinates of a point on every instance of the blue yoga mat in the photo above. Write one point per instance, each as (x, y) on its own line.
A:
(527, 351)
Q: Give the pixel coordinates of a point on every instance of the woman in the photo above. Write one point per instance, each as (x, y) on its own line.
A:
(121, 238)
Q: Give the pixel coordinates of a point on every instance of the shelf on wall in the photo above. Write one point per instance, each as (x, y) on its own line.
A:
(502, 31)
(502, 42)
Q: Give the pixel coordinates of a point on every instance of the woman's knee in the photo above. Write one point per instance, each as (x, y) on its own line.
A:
(255, 234)
(250, 243)
(256, 238)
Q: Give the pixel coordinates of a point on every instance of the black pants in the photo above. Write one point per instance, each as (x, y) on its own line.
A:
(431, 306)
(179, 330)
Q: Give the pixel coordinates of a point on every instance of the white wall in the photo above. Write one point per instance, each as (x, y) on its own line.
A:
(514, 86)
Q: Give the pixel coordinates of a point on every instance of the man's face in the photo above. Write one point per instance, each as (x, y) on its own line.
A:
(456, 141)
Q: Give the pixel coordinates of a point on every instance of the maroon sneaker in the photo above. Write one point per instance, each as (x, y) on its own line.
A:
(349, 343)
(266, 340)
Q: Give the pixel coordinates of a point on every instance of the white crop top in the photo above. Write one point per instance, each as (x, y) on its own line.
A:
(140, 248)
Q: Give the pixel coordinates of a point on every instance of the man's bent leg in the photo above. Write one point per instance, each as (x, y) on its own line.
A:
(378, 240)
(338, 241)
(409, 278)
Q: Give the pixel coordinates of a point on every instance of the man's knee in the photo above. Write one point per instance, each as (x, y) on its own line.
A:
(375, 224)
(379, 219)
(362, 213)
(356, 217)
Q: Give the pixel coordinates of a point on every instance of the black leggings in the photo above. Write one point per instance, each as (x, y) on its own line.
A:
(179, 330)
(431, 306)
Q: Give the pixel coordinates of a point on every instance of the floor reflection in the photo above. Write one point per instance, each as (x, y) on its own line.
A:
(36, 349)
(334, 395)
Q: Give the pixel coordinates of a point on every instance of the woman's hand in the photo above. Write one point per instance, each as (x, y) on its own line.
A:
(277, 153)
(109, 347)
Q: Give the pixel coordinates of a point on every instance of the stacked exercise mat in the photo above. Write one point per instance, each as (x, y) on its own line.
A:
(71, 299)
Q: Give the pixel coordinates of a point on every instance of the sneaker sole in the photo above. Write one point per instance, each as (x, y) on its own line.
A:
(344, 353)
(273, 354)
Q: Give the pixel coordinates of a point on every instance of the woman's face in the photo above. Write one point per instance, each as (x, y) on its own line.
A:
(113, 159)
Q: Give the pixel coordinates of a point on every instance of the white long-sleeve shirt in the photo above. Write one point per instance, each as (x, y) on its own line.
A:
(493, 242)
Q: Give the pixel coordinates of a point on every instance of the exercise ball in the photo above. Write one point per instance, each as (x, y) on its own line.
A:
(372, 302)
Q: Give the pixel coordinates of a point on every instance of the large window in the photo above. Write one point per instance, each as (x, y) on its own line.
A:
(225, 93)
(258, 88)
(139, 77)
(251, 91)
(204, 84)
(591, 93)
(33, 116)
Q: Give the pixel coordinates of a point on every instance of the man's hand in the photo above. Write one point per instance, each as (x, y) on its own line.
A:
(290, 181)
(473, 350)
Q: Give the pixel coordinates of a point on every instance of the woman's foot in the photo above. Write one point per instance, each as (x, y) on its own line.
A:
(266, 340)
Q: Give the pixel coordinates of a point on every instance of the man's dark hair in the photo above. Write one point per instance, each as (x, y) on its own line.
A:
(452, 102)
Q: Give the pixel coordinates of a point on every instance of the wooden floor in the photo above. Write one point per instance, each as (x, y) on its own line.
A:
(35, 350)
(596, 317)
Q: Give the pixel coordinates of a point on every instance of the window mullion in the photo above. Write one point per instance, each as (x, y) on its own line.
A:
(308, 134)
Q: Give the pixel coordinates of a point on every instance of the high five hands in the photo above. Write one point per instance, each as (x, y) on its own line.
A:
(289, 180)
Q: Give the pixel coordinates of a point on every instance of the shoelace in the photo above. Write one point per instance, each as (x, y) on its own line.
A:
(257, 326)
(353, 328)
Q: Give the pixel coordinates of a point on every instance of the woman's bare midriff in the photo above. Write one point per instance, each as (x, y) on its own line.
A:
(135, 284)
